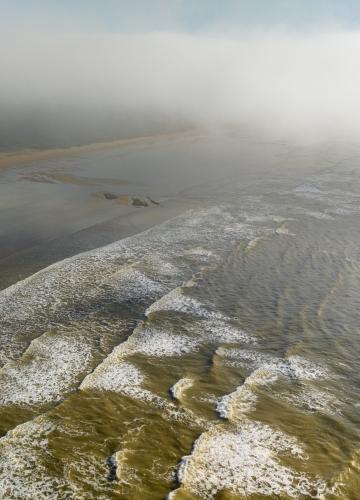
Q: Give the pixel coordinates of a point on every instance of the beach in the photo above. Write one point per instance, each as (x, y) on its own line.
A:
(82, 211)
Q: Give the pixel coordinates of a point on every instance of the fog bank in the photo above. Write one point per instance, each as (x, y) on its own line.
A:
(70, 89)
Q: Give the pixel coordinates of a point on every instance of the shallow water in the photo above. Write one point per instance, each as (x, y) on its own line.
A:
(214, 355)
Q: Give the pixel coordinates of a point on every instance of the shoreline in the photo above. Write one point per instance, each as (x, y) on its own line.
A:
(27, 261)
(13, 159)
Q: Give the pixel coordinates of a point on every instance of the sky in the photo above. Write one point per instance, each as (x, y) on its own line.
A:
(91, 70)
(190, 16)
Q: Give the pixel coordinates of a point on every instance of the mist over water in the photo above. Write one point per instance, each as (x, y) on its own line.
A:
(69, 89)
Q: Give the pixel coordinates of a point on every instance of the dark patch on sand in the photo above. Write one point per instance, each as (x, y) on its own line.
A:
(123, 199)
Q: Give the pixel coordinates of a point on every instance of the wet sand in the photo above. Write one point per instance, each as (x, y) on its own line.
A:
(52, 194)
(56, 203)
(12, 159)
(27, 261)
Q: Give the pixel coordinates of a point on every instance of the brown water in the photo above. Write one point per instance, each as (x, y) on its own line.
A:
(214, 355)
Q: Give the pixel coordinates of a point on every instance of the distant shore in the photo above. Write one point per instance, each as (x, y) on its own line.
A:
(11, 159)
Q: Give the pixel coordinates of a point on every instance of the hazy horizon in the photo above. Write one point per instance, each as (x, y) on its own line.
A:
(67, 80)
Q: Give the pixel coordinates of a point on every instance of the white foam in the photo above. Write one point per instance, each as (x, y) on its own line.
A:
(307, 189)
(235, 405)
(293, 366)
(267, 217)
(158, 263)
(178, 389)
(153, 341)
(23, 472)
(283, 229)
(253, 243)
(218, 330)
(159, 341)
(55, 294)
(131, 283)
(341, 202)
(315, 214)
(121, 377)
(207, 398)
(125, 474)
(178, 301)
(241, 230)
(125, 379)
(307, 370)
(51, 366)
(344, 210)
(29, 468)
(313, 400)
(246, 461)
(202, 253)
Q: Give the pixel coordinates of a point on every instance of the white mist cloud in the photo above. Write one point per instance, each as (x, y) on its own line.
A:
(304, 87)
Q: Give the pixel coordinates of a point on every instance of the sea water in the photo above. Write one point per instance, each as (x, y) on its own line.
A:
(215, 355)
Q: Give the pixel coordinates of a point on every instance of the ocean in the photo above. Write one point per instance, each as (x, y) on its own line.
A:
(212, 354)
